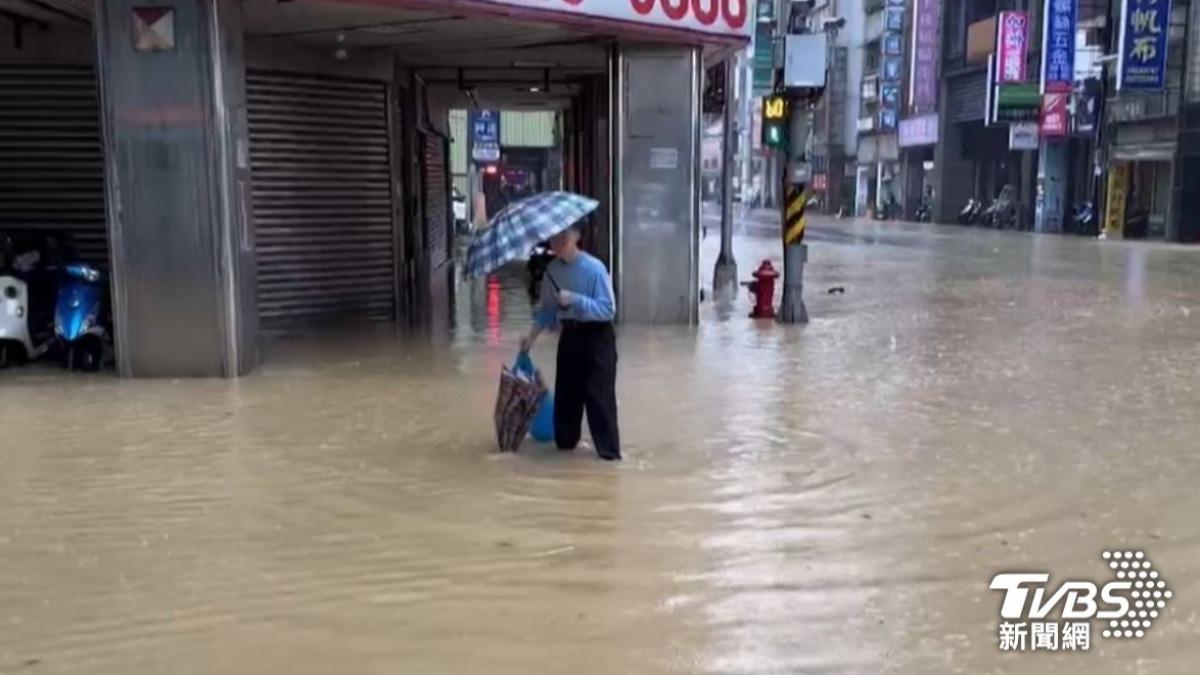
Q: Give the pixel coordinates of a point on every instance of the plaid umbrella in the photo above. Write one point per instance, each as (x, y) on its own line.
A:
(521, 225)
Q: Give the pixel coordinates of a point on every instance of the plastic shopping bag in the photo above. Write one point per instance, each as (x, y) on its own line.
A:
(542, 428)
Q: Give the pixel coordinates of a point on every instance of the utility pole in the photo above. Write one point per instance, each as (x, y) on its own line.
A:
(725, 278)
(797, 174)
(803, 81)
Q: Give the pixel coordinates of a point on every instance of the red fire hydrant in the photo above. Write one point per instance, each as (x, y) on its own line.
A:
(763, 288)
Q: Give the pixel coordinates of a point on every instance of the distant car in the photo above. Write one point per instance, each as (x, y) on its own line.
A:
(460, 210)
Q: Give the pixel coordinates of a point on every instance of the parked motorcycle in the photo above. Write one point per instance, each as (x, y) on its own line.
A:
(27, 288)
(970, 212)
(924, 212)
(81, 318)
(889, 210)
(16, 344)
(1083, 219)
(1002, 212)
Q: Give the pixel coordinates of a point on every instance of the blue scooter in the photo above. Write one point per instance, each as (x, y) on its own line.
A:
(80, 322)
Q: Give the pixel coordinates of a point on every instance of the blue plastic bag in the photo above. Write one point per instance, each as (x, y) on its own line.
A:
(543, 424)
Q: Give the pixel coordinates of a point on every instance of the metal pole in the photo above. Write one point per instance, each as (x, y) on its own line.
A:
(796, 174)
(725, 279)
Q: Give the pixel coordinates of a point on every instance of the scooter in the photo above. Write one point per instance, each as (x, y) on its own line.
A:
(80, 321)
(16, 344)
(1083, 219)
(1002, 213)
(539, 259)
(24, 331)
(970, 213)
(924, 212)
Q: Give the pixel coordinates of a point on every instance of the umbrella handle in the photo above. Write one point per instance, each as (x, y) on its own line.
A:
(553, 282)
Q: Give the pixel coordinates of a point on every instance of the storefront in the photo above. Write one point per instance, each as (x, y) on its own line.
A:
(1147, 149)
(918, 136)
(301, 167)
(879, 191)
(51, 149)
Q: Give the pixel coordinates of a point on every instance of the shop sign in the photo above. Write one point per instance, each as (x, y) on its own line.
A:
(1012, 42)
(888, 120)
(889, 107)
(1087, 106)
(893, 44)
(1142, 54)
(981, 40)
(1055, 120)
(764, 59)
(1058, 45)
(893, 68)
(892, 60)
(485, 135)
(820, 182)
(890, 95)
(1118, 195)
(725, 18)
(1023, 136)
(926, 46)
(1018, 103)
(916, 131)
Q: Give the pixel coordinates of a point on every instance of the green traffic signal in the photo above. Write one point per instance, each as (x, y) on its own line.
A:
(773, 135)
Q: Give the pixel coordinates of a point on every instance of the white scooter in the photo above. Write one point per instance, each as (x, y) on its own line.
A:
(16, 345)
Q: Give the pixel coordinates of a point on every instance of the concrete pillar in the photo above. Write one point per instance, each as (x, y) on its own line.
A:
(725, 277)
(953, 175)
(657, 165)
(178, 177)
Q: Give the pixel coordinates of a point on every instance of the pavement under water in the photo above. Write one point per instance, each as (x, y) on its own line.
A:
(833, 498)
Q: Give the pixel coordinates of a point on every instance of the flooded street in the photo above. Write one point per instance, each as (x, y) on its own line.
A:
(833, 498)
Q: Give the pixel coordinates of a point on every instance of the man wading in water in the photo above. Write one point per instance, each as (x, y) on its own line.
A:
(577, 295)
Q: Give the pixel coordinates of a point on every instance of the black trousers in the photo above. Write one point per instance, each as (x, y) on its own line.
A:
(587, 380)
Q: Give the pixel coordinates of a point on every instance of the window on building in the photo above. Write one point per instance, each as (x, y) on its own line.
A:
(874, 56)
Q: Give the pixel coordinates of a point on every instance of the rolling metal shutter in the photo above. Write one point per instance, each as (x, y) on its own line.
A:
(52, 154)
(319, 159)
(966, 97)
(437, 201)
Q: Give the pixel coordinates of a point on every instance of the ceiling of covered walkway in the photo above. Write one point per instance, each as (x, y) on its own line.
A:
(495, 57)
(499, 60)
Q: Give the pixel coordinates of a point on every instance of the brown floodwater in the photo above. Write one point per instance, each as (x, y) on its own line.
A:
(832, 498)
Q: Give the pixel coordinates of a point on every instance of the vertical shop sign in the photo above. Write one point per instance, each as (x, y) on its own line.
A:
(1058, 46)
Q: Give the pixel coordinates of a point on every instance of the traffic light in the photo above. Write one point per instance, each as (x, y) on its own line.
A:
(775, 116)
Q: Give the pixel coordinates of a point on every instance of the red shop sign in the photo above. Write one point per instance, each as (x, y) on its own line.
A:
(1054, 115)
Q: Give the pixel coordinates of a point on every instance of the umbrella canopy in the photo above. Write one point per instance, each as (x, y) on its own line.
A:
(521, 225)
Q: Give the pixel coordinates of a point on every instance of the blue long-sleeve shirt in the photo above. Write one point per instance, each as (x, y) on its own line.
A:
(590, 286)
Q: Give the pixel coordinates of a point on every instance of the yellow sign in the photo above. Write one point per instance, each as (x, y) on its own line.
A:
(774, 107)
(1118, 195)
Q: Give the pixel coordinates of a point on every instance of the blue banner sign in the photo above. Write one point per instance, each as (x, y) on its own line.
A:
(1145, 25)
(485, 135)
(1058, 46)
